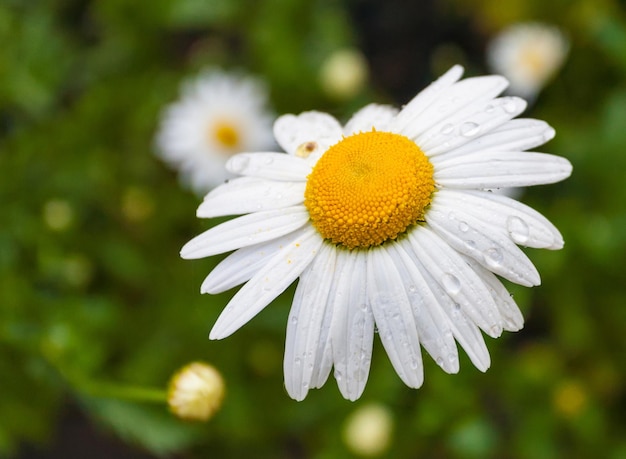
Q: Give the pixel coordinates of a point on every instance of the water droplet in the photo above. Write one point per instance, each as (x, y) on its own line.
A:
(469, 129)
(439, 361)
(495, 330)
(463, 227)
(457, 307)
(494, 257)
(414, 364)
(510, 106)
(238, 164)
(470, 244)
(518, 229)
(447, 128)
(268, 160)
(297, 361)
(452, 358)
(294, 320)
(412, 288)
(489, 108)
(451, 284)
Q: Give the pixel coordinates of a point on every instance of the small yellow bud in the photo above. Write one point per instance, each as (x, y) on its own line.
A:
(196, 392)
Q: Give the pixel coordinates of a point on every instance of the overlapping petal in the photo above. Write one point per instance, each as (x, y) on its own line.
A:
(308, 327)
(247, 230)
(250, 194)
(270, 281)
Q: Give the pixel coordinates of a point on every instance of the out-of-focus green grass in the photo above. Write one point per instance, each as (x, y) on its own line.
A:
(92, 291)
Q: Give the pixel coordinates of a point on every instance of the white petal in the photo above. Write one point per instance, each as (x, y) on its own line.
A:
(466, 93)
(247, 194)
(246, 230)
(511, 315)
(273, 166)
(307, 332)
(525, 226)
(465, 330)
(497, 170)
(371, 116)
(394, 318)
(433, 326)
(426, 97)
(467, 125)
(515, 135)
(292, 131)
(453, 274)
(490, 245)
(241, 265)
(352, 326)
(280, 271)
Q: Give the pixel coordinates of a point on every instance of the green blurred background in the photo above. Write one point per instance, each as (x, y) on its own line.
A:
(94, 297)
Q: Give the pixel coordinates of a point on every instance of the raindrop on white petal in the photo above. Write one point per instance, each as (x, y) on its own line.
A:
(489, 108)
(510, 106)
(463, 227)
(238, 164)
(495, 330)
(494, 257)
(518, 229)
(451, 284)
(269, 160)
(439, 361)
(447, 128)
(451, 358)
(412, 288)
(469, 129)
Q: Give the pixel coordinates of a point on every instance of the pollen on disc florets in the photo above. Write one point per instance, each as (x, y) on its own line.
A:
(368, 188)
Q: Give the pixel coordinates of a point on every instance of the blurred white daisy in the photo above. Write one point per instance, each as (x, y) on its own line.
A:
(388, 225)
(529, 55)
(217, 115)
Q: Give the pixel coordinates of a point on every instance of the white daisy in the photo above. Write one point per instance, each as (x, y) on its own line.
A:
(218, 114)
(529, 55)
(388, 225)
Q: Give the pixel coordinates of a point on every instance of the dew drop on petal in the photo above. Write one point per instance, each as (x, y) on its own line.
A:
(489, 108)
(510, 106)
(494, 257)
(518, 229)
(447, 128)
(238, 164)
(439, 361)
(463, 227)
(451, 283)
(469, 129)
(269, 160)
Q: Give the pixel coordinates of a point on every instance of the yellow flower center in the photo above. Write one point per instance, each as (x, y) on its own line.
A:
(226, 134)
(368, 188)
